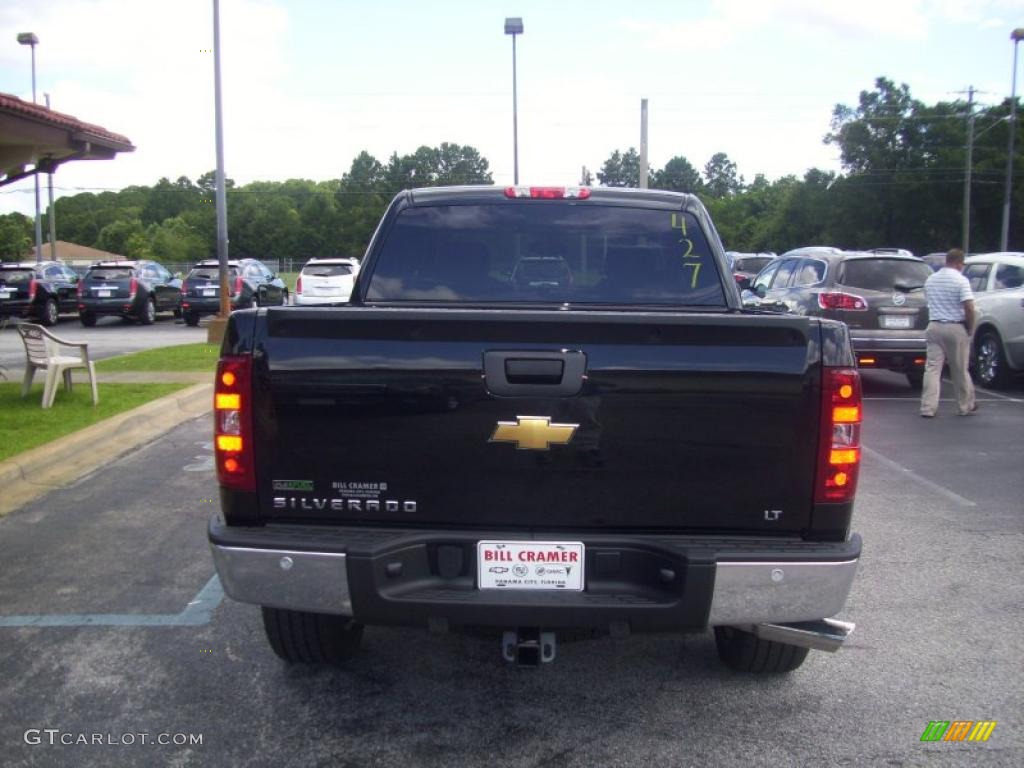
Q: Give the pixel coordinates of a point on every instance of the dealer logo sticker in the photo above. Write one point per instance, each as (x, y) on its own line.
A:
(293, 485)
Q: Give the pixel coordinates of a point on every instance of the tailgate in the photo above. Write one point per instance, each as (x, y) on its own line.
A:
(107, 283)
(551, 420)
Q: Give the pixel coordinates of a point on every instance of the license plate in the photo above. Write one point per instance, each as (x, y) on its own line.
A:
(104, 294)
(5, 294)
(209, 291)
(515, 565)
(897, 321)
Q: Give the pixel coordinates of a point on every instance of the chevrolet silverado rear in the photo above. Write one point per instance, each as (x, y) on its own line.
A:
(542, 412)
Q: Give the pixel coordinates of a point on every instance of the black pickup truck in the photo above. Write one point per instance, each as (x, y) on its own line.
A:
(543, 413)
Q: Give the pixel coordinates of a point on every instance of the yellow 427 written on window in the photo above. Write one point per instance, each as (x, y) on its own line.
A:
(679, 222)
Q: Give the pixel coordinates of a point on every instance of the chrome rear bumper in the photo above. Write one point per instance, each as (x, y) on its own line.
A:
(787, 601)
(760, 592)
(301, 581)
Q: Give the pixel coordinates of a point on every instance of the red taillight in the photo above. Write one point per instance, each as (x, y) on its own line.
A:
(81, 288)
(548, 193)
(238, 286)
(232, 427)
(133, 287)
(298, 284)
(32, 287)
(845, 301)
(839, 442)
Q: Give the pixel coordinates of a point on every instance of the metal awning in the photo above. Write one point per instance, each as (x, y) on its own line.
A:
(34, 139)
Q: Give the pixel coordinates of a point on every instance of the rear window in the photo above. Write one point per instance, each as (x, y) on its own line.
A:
(1009, 276)
(751, 263)
(109, 273)
(546, 253)
(883, 274)
(327, 270)
(211, 273)
(15, 276)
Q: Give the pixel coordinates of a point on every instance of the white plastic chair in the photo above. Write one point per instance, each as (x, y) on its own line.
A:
(42, 351)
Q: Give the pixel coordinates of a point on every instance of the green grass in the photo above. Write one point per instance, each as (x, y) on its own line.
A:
(25, 425)
(183, 357)
(289, 280)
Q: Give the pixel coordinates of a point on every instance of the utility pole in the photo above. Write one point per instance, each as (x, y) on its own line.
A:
(216, 330)
(967, 177)
(53, 226)
(643, 143)
(1016, 36)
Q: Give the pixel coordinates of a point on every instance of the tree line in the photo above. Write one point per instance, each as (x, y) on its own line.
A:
(901, 186)
(175, 221)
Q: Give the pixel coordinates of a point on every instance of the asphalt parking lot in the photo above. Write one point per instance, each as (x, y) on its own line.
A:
(112, 624)
(109, 337)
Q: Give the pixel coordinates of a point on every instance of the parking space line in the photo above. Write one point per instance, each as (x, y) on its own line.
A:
(917, 478)
(914, 398)
(198, 612)
(999, 395)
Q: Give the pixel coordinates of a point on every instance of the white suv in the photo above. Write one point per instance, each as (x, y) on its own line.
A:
(326, 281)
(997, 280)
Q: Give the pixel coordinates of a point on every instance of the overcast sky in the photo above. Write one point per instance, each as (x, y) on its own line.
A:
(308, 84)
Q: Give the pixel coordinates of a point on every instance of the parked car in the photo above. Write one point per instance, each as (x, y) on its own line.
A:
(936, 260)
(326, 281)
(745, 266)
(541, 273)
(40, 290)
(133, 290)
(251, 283)
(997, 280)
(879, 296)
(891, 252)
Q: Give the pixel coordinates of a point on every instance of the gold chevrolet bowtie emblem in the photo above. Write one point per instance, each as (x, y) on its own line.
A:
(533, 433)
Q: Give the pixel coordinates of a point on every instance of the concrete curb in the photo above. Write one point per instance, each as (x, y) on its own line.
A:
(63, 461)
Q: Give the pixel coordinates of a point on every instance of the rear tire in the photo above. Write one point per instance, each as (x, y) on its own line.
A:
(191, 319)
(916, 380)
(284, 299)
(148, 315)
(49, 314)
(88, 319)
(990, 368)
(299, 637)
(745, 652)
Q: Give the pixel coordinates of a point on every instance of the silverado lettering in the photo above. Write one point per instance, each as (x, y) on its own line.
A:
(340, 505)
(568, 384)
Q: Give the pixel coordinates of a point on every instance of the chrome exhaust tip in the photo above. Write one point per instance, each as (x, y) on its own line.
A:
(821, 635)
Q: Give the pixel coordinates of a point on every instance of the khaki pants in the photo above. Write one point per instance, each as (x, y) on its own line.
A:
(947, 342)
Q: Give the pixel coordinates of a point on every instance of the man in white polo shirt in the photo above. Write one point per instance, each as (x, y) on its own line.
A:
(951, 315)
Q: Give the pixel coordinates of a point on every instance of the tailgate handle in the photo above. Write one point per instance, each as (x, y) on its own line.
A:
(521, 371)
(534, 374)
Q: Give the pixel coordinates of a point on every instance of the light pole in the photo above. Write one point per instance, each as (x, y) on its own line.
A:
(219, 193)
(514, 27)
(49, 180)
(30, 39)
(1017, 35)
